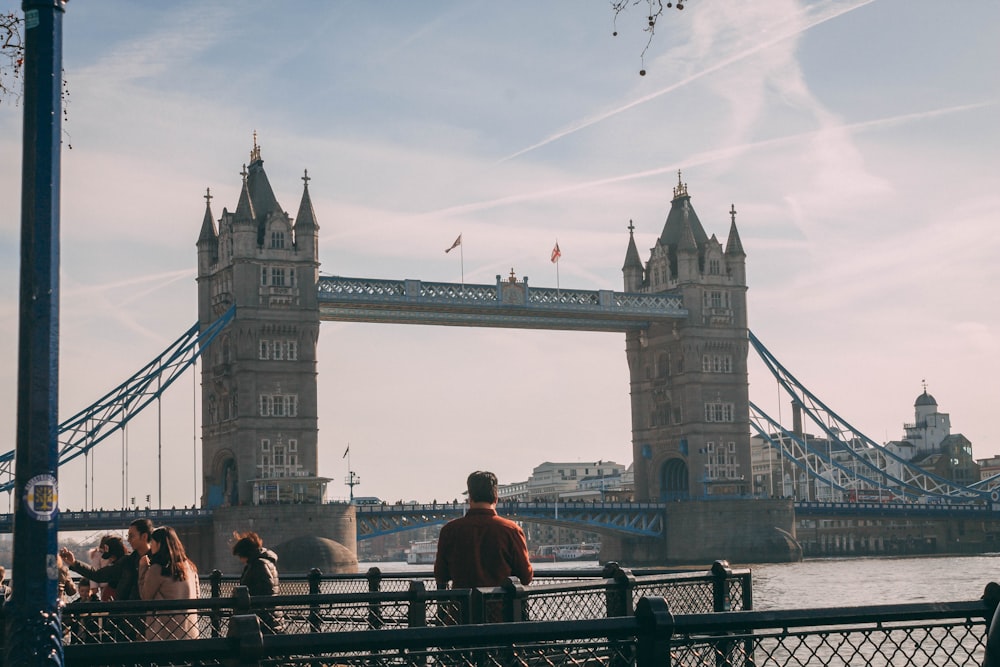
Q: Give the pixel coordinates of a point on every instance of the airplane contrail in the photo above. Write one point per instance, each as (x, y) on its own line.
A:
(823, 18)
(705, 157)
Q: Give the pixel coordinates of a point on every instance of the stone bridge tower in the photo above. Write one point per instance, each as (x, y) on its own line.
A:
(690, 401)
(259, 413)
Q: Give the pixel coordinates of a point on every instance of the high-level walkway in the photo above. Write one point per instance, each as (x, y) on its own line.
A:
(508, 303)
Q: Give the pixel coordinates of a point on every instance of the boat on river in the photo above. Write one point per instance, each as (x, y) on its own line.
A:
(552, 553)
(422, 552)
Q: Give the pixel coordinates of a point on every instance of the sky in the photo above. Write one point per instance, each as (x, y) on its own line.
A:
(858, 140)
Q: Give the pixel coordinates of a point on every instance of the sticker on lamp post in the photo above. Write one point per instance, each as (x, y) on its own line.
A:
(41, 497)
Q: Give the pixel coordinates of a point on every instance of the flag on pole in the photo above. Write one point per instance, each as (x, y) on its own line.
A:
(346, 452)
(556, 253)
(454, 245)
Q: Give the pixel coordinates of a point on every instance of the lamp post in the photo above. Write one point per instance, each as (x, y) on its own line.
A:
(33, 628)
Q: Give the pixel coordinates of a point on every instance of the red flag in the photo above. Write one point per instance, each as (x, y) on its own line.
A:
(556, 253)
(454, 245)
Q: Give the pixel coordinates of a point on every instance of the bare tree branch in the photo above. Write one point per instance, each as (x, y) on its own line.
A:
(654, 13)
(11, 57)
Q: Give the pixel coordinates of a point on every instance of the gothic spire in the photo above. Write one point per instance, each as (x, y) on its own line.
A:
(734, 247)
(244, 208)
(687, 242)
(305, 220)
(208, 232)
(632, 253)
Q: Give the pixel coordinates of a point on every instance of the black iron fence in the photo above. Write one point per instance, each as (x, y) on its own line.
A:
(609, 592)
(898, 635)
(618, 618)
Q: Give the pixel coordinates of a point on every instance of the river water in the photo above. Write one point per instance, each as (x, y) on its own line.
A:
(840, 582)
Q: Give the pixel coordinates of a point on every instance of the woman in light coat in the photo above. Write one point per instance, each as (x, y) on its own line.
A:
(166, 573)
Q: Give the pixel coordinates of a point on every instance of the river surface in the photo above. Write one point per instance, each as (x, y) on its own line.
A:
(839, 582)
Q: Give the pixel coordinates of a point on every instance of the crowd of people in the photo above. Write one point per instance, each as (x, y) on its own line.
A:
(478, 549)
(155, 566)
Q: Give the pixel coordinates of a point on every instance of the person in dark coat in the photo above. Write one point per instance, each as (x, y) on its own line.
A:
(260, 576)
(123, 575)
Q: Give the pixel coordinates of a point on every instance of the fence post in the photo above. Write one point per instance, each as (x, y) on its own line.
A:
(374, 580)
(315, 621)
(416, 612)
(241, 600)
(721, 572)
(619, 594)
(746, 582)
(515, 600)
(246, 628)
(656, 626)
(477, 607)
(215, 580)
(375, 620)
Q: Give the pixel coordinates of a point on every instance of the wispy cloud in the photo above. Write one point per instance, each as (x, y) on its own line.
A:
(816, 16)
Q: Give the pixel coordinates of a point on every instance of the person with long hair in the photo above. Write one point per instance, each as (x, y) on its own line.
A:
(166, 573)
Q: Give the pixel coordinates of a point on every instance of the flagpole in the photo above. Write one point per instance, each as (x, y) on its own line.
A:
(557, 277)
(461, 254)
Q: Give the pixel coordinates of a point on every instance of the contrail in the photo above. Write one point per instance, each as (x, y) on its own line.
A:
(694, 77)
(703, 158)
(160, 279)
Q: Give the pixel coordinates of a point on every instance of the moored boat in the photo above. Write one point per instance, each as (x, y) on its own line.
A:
(422, 552)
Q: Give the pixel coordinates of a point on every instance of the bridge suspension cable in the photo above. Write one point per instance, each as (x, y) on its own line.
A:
(853, 461)
(87, 428)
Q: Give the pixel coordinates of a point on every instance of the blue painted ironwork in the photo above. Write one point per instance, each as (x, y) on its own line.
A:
(505, 304)
(32, 628)
(868, 464)
(86, 429)
(626, 519)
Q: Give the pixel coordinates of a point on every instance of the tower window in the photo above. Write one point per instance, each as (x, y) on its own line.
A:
(718, 412)
(278, 240)
(279, 405)
(717, 363)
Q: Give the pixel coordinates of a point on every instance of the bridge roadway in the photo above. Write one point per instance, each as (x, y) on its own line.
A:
(613, 518)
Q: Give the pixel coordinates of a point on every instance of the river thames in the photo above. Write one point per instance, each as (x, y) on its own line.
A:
(837, 582)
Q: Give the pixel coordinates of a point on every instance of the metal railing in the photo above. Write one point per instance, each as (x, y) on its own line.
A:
(610, 592)
(909, 634)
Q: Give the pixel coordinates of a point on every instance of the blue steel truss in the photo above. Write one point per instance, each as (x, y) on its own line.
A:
(635, 519)
(87, 428)
(853, 461)
(505, 304)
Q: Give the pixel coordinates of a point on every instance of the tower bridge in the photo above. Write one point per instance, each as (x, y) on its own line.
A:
(684, 318)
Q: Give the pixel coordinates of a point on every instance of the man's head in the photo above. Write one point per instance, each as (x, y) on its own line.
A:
(482, 487)
(138, 535)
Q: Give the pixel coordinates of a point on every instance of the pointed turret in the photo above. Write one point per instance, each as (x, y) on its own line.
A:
(306, 230)
(208, 232)
(735, 256)
(687, 248)
(734, 247)
(244, 207)
(680, 207)
(632, 269)
(261, 194)
(208, 239)
(305, 220)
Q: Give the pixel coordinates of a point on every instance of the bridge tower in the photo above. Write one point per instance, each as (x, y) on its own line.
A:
(688, 379)
(259, 413)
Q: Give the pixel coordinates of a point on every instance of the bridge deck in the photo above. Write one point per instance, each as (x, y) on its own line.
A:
(505, 304)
